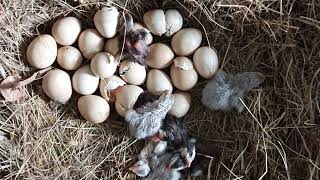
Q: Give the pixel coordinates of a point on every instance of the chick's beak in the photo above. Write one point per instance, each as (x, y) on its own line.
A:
(155, 138)
(189, 164)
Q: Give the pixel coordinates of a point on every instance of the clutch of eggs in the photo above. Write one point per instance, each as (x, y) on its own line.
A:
(87, 61)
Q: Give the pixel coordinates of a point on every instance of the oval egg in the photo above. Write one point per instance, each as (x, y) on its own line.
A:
(42, 51)
(160, 56)
(90, 43)
(93, 108)
(206, 62)
(84, 81)
(69, 58)
(183, 74)
(106, 21)
(132, 73)
(158, 81)
(66, 30)
(186, 41)
(103, 65)
(181, 105)
(57, 85)
(112, 46)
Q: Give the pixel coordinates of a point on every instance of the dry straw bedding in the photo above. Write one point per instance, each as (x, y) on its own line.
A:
(277, 137)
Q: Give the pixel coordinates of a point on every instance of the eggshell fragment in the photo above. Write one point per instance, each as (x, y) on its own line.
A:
(112, 46)
(66, 30)
(132, 72)
(108, 86)
(69, 58)
(106, 21)
(84, 81)
(57, 85)
(103, 65)
(181, 105)
(90, 43)
(183, 74)
(93, 108)
(126, 97)
(160, 56)
(206, 62)
(158, 81)
(174, 21)
(155, 21)
(42, 51)
(149, 37)
(186, 41)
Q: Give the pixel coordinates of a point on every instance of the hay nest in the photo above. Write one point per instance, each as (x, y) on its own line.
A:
(277, 137)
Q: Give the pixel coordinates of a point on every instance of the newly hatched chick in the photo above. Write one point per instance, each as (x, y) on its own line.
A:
(224, 90)
(146, 120)
(162, 169)
(134, 44)
(152, 149)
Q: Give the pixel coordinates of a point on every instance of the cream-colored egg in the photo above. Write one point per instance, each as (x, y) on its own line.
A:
(66, 30)
(93, 108)
(112, 46)
(155, 21)
(181, 105)
(126, 97)
(90, 43)
(132, 72)
(106, 21)
(69, 57)
(183, 74)
(107, 87)
(206, 61)
(149, 37)
(57, 85)
(103, 65)
(84, 81)
(158, 81)
(174, 21)
(160, 56)
(186, 41)
(42, 51)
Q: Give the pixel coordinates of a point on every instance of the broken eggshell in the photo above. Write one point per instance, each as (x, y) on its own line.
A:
(57, 85)
(205, 60)
(66, 30)
(174, 21)
(103, 65)
(155, 21)
(183, 74)
(93, 108)
(132, 72)
(126, 97)
(90, 43)
(160, 56)
(84, 81)
(158, 81)
(186, 41)
(107, 87)
(181, 105)
(106, 21)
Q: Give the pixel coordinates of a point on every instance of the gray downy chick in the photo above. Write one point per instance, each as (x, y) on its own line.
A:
(147, 120)
(134, 43)
(161, 167)
(224, 90)
(151, 150)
